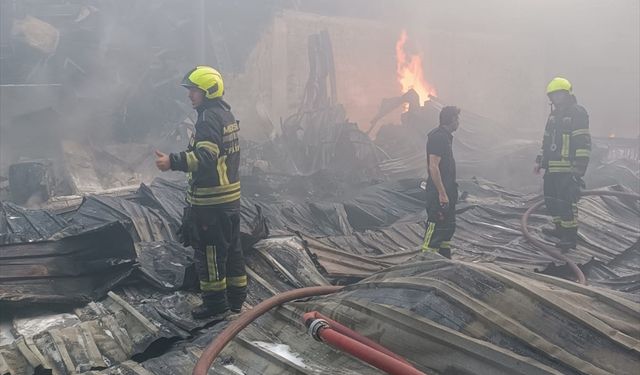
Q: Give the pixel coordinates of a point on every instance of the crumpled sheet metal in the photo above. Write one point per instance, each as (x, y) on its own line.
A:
(139, 316)
(107, 334)
(336, 263)
(150, 218)
(453, 300)
(110, 332)
(443, 316)
(620, 274)
(488, 230)
(33, 324)
(285, 347)
(125, 368)
(166, 265)
(165, 195)
(144, 223)
(277, 344)
(170, 311)
(488, 224)
(18, 224)
(607, 229)
(375, 207)
(455, 317)
(288, 257)
(74, 269)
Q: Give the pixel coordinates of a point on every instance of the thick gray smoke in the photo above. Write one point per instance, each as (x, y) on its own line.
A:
(107, 72)
(495, 57)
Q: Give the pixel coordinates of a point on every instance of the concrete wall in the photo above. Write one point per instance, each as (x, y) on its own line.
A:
(278, 68)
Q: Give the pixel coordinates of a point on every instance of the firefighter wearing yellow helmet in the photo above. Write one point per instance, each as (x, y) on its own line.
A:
(566, 146)
(206, 79)
(211, 220)
(559, 84)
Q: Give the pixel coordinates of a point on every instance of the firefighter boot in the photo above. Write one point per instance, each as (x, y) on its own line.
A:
(214, 307)
(445, 252)
(236, 296)
(553, 232)
(236, 309)
(207, 311)
(568, 239)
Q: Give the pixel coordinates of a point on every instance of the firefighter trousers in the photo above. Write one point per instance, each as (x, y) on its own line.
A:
(441, 223)
(561, 195)
(218, 258)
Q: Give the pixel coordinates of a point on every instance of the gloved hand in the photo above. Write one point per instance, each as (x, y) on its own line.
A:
(183, 238)
(579, 181)
(539, 159)
(187, 228)
(538, 165)
(442, 212)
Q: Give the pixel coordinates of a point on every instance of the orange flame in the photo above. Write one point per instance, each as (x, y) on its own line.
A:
(410, 75)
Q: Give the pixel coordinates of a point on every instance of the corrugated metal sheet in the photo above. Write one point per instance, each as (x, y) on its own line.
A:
(444, 316)
(452, 316)
(74, 269)
(106, 334)
(18, 224)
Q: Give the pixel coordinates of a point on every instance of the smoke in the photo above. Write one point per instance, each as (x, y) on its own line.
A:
(118, 64)
(495, 57)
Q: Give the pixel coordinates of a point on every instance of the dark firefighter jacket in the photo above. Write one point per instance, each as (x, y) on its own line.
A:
(212, 159)
(566, 144)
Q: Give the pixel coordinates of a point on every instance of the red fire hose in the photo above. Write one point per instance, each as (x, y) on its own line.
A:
(212, 350)
(351, 342)
(555, 253)
(344, 330)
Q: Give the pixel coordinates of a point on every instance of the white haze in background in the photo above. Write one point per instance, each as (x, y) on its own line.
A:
(491, 57)
(495, 57)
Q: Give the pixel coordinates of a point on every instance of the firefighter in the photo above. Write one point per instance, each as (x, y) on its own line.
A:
(566, 146)
(211, 221)
(442, 189)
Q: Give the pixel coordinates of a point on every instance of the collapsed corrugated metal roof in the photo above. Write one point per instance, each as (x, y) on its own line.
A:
(444, 316)
(477, 317)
